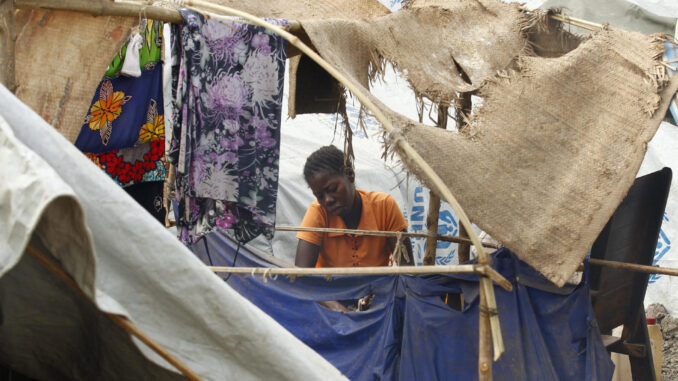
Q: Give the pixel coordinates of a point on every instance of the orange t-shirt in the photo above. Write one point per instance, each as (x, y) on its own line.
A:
(379, 212)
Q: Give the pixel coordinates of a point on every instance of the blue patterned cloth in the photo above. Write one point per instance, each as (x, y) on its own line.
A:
(226, 134)
(119, 109)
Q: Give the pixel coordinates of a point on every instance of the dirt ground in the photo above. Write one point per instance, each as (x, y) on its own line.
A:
(669, 327)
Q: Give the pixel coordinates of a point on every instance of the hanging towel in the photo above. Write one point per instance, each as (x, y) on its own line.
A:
(227, 126)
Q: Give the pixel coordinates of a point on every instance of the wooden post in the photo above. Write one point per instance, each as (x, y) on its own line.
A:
(463, 107)
(434, 205)
(7, 37)
(485, 340)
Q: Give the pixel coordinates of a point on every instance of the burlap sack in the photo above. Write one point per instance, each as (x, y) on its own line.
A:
(60, 59)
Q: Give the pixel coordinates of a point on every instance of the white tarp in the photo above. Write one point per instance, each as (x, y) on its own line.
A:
(136, 268)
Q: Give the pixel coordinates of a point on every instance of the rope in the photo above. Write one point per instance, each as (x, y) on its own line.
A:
(398, 246)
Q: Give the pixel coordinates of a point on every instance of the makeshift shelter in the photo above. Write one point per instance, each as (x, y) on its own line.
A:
(484, 138)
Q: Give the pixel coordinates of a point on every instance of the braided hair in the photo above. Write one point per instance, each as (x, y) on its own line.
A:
(327, 158)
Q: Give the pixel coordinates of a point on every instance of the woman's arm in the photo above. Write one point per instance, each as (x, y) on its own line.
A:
(307, 254)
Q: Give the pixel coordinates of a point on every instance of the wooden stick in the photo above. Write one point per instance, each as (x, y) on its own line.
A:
(364, 271)
(484, 340)
(432, 228)
(669, 66)
(120, 320)
(109, 8)
(408, 151)
(440, 237)
(496, 277)
(7, 45)
(497, 340)
(105, 8)
(434, 205)
(635, 267)
(463, 107)
(371, 270)
(577, 22)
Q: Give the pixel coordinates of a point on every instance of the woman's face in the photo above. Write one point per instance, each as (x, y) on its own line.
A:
(334, 192)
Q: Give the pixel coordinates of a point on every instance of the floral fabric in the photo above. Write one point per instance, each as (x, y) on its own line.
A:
(227, 129)
(119, 109)
(124, 130)
(141, 163)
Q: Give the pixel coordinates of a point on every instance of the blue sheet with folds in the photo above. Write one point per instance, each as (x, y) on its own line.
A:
(409, 333)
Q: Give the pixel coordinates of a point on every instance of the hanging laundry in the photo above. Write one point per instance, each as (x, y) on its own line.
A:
(150, 196)
(119, 110)
(226, 128)
(131, 111)
(131, 66)
(133, 165)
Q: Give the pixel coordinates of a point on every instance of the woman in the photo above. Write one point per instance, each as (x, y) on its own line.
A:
(340, 205)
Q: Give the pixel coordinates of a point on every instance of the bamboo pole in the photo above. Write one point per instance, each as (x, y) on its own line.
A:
(463, 107)
(432, 228)
(434, 205)
(635, 267)
(358, 271)
(7, 45)
(446, 238)
(122, 321)
(577, 22)
(367, 271)
(484, 270)
(105, 8)
(485, 341)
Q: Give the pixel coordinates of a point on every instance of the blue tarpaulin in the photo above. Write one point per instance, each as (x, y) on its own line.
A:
(409, 333)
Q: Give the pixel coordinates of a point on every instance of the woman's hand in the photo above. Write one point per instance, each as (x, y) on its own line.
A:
(335, 306)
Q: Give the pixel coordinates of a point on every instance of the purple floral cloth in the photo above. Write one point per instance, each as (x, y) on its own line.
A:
(226, 136)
